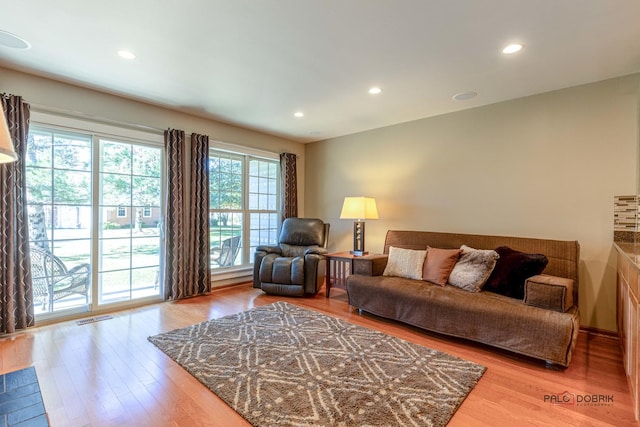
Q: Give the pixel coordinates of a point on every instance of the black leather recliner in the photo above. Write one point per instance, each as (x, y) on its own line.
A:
(297, 265)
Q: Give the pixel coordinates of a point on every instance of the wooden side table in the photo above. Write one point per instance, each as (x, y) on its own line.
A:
(340, 265)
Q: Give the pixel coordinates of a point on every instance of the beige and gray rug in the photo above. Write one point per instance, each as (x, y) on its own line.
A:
(282, 365)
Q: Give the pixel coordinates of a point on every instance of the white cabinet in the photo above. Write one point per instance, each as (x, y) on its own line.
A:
(627, 317)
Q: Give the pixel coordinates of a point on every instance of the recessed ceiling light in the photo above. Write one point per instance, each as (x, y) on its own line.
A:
(512, 48)
(126, 54)
(464, 96)
(298, 114)
(375, 90)
(11, 40)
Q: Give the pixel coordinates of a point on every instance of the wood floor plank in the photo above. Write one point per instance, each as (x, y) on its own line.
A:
(107, 373)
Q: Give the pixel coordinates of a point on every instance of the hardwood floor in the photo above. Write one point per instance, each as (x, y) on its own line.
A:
(108, 374)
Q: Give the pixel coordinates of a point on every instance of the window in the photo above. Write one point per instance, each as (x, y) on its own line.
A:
(59, 196)
(243, 199)
(80, 189)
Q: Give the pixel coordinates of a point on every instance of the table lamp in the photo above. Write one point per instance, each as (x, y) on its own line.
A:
(359, 208)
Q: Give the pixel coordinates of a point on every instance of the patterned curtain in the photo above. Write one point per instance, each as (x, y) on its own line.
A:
(16, 293)
(175, 269)
(289, 178)
(199, 274)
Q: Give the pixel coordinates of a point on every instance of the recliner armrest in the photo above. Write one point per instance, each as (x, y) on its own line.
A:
(269, 249)
(316, 251)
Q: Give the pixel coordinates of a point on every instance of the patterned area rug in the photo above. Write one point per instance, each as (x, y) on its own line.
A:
(287, 366)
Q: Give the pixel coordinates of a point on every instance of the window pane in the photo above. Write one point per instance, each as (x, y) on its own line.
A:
(272, 204)
(264, 228)
(253, 201)
(39, 188)
(39, 149)
(115, 286)
(116, 189)
(115, 157)
(225, 181)
(146, 191)
(146, 251)
(225, 239)
(115, 222)
(146, 161)
(72, 187)
(70, 222)
(115, 254)
(144, 282)
(71, 152)
(254, 167)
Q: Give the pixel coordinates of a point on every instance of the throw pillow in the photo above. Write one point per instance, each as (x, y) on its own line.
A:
(438, 265)
(405, 263)
(511, 271)
(473, 268)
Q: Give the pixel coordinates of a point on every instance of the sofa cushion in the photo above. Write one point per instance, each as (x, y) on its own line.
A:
(405, 263)
(473, 268)
(438, 264)
(512, 269)
(550, 292)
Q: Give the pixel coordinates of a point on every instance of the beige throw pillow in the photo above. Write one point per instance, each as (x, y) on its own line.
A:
(473, 268)
(405, 263)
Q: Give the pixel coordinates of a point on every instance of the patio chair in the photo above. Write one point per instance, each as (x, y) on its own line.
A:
(49, 274)
(226, 254)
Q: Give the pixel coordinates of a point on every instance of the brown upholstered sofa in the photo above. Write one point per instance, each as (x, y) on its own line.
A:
(544, 325)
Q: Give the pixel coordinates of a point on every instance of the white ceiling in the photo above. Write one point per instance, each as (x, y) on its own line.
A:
(254, 63)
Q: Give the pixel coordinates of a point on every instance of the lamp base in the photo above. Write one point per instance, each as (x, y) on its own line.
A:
(358, 253)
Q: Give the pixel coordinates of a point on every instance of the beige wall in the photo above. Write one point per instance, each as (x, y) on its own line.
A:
(545, 166)
(51, 95)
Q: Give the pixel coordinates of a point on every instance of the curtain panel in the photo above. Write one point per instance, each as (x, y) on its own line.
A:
(16, 292)
(175, 268)
(199, 274)
(289, 182)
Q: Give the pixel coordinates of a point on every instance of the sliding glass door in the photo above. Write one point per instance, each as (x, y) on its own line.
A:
(59, 195)
(94, 215)
(129, 224)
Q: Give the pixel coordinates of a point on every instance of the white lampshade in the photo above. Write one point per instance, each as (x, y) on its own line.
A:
(7, 153)
(359, 208)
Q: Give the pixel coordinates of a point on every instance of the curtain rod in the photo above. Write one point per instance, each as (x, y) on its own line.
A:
(96, 119)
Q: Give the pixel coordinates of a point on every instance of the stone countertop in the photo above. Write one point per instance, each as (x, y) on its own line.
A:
(631, 250)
